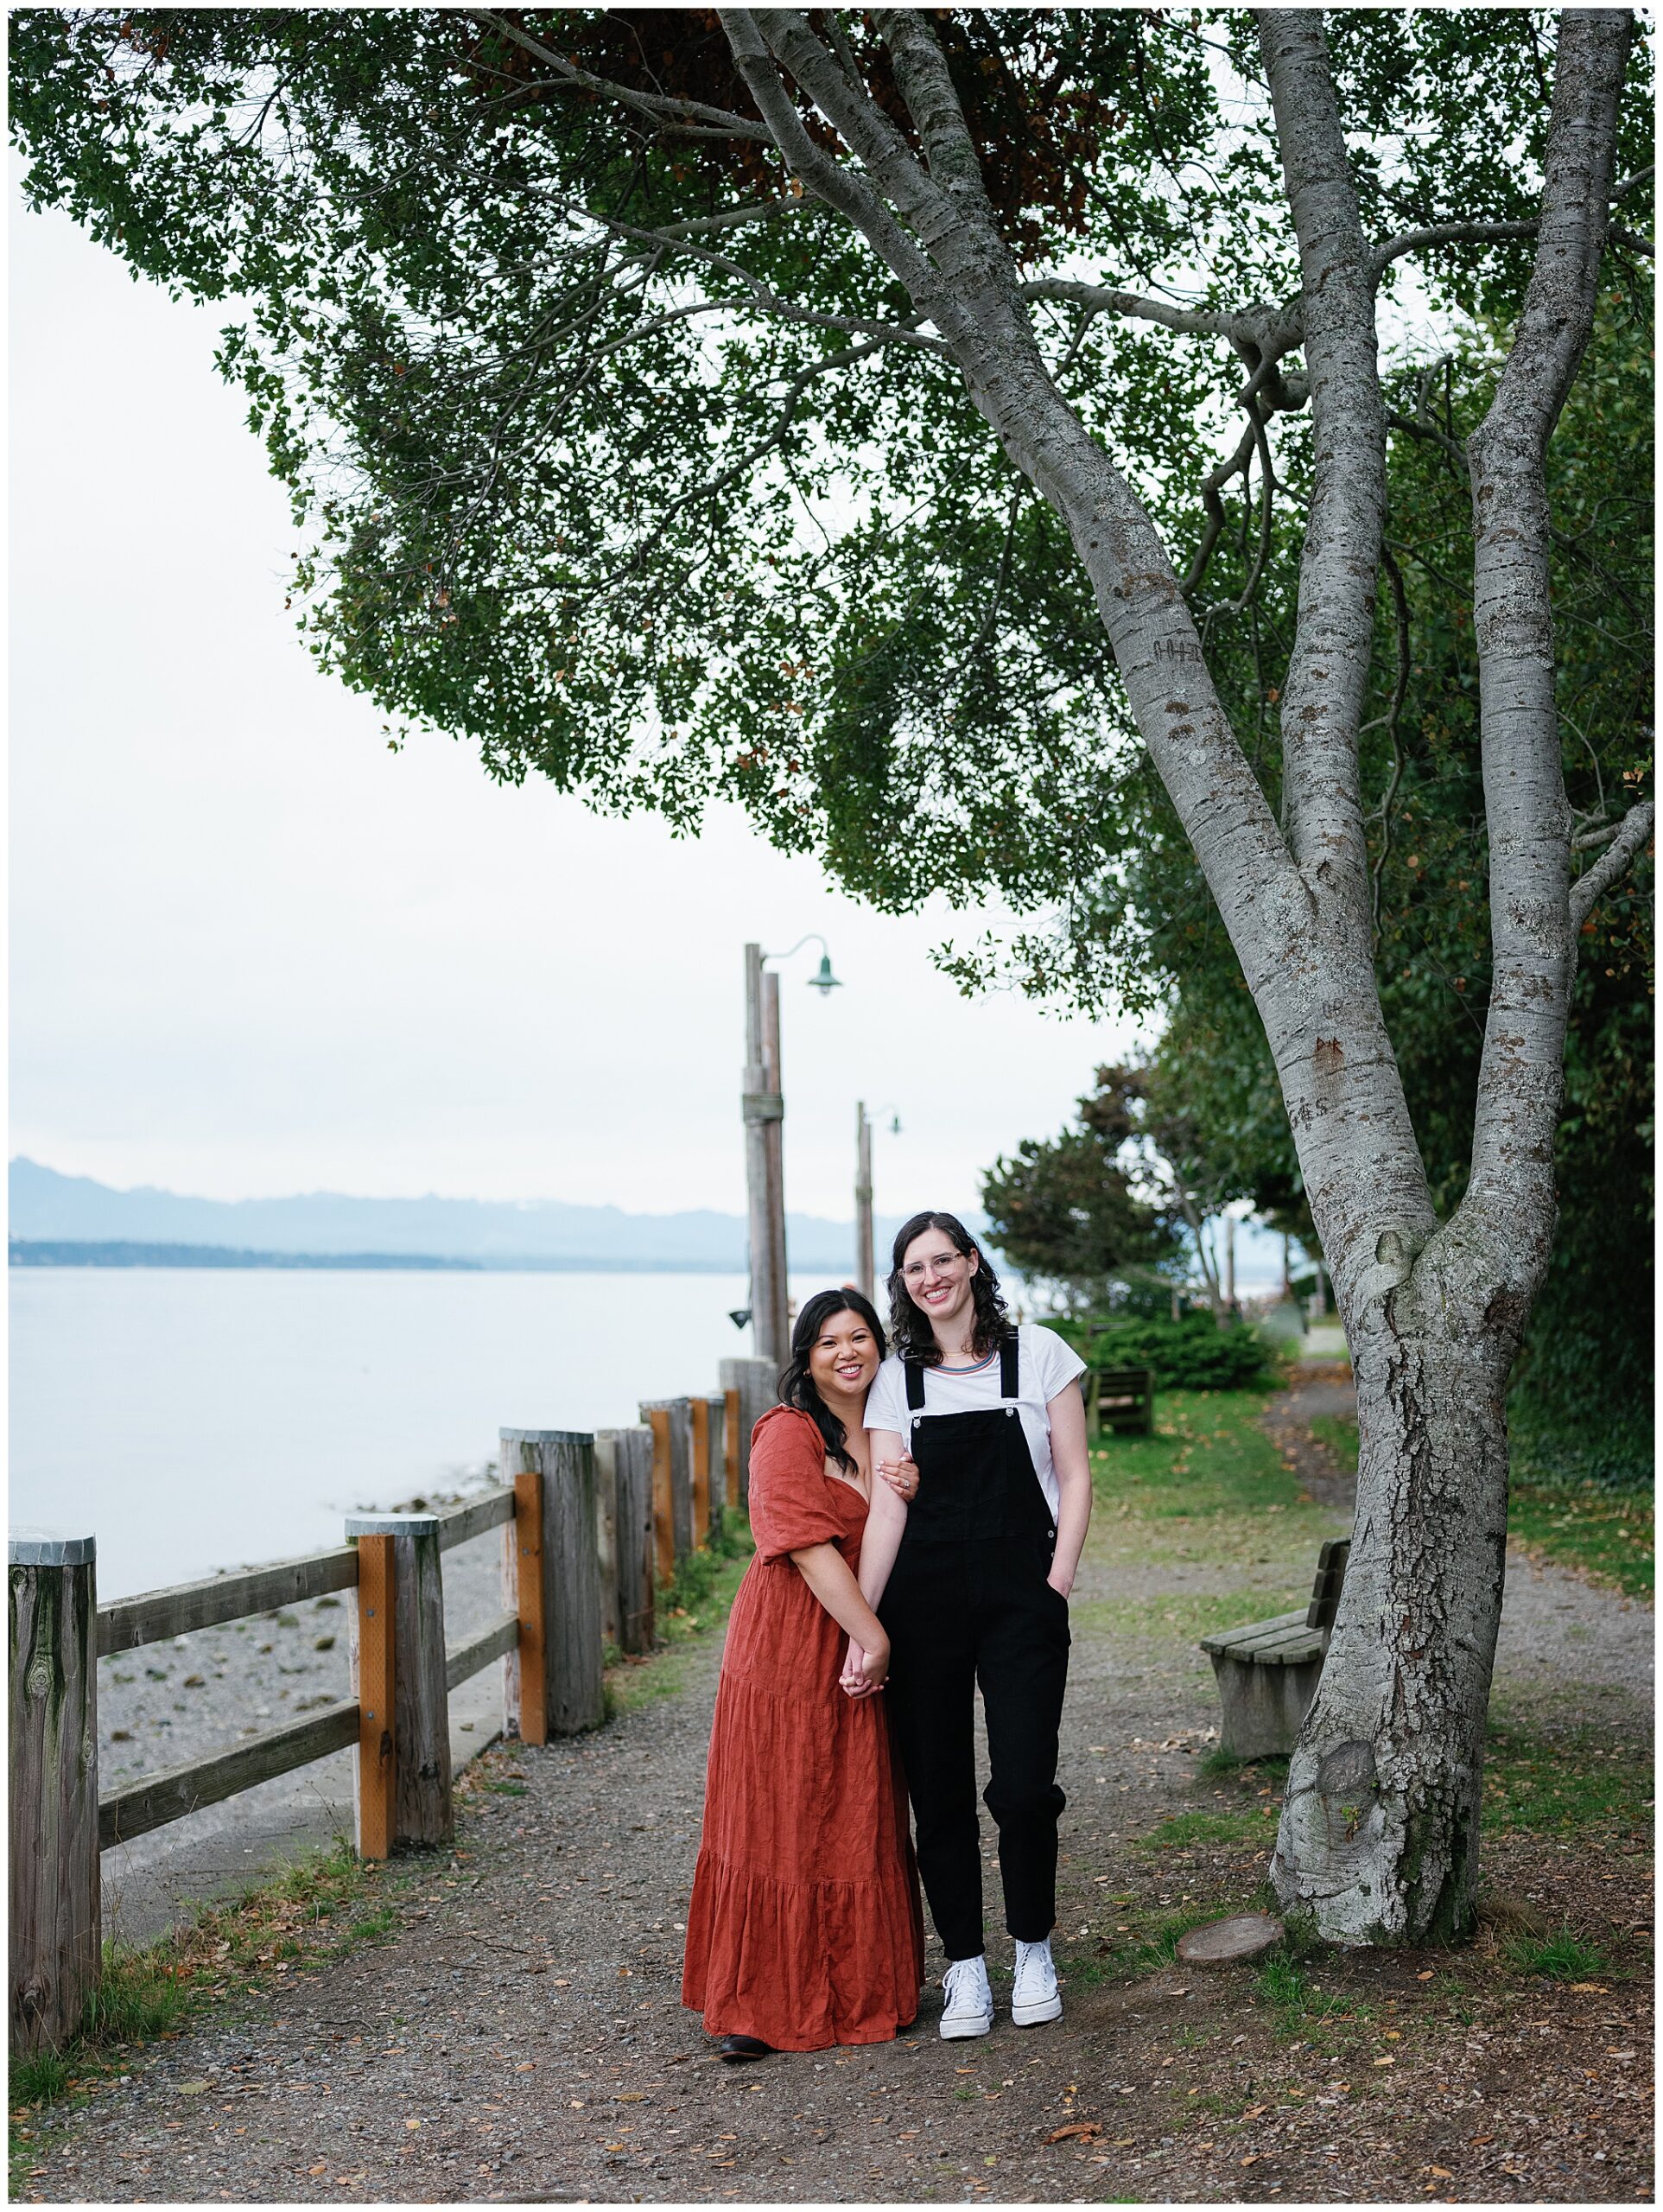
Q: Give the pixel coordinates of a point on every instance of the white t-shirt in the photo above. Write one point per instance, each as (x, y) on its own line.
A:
(1044, 1367)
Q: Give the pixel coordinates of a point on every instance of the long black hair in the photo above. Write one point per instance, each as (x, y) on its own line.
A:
(797, 1385)
(914, 1337)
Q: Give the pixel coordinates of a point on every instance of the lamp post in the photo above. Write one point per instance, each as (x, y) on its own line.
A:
(866, 1271)
(762, 1105)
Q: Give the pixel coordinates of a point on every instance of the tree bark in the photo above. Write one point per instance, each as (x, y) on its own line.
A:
(1378, 1835)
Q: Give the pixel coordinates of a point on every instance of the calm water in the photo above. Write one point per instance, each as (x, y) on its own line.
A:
(193, 1418)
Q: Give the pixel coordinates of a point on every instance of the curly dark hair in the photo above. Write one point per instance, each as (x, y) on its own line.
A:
(914, 1337)
(797, 1385)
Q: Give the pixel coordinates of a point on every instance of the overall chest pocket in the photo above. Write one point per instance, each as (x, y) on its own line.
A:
(976, 1480)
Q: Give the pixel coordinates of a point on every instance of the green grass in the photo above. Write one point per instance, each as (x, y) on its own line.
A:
(1578, 1782)
(1339, 1432)
(1179, 1830)
(1295, 2003)
(1150, 1943)
(1608, 1535)
(1209, 1484)
(1185, 1616)
(1561, 1957)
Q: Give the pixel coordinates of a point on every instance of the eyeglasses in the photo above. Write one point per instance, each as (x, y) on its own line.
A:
(941, 1264)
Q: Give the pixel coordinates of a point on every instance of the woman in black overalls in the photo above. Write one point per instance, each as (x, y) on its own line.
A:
(977, 1594)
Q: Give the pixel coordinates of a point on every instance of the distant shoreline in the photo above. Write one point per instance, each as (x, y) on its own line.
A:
(37, 1252)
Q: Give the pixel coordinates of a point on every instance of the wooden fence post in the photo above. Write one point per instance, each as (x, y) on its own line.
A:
(701, 1484)
(678, 1412)
(606, 1530)
(657, 1419)
(636, 1548)
(562, 1463)
(525, 1668)
(709, 1432)
(54, 1743)
(758, 1387)
(422, 1812)
(730, 1447)
(374, 1677)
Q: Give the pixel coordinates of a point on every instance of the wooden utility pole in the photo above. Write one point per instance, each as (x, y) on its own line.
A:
(763, 1104)
(864, 1268)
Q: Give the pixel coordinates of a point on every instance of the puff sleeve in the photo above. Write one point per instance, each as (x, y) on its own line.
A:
(789, 1507)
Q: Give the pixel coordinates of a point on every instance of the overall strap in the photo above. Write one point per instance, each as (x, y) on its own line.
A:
(914, 1387)
(1007, 1379)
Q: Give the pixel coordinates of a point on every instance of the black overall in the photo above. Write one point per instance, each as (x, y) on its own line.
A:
(967, 1602)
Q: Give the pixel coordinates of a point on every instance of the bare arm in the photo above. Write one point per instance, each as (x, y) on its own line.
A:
(826, 1572)
(885, 1524)
(1066, 1414)
(885, 1518)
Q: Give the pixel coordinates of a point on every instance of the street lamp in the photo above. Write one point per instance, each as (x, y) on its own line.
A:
(762, 1104)
(866, 1269)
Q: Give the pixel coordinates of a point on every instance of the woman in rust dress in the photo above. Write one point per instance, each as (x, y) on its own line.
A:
(805, 1928)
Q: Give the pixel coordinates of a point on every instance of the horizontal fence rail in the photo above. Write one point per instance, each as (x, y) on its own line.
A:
(159, 1615)
(593, 1528)
(464, 1661)
(477, 1518)
(155, 1799)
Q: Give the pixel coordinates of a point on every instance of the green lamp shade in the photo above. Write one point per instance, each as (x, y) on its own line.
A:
(825, 981)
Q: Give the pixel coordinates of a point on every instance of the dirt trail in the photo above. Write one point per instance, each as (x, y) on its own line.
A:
(520, 2039)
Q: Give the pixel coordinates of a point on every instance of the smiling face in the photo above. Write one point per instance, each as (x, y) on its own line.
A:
(939, 1276)
(842, 1359)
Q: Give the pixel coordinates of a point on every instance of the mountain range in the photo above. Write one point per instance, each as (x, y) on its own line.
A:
(50, 1209)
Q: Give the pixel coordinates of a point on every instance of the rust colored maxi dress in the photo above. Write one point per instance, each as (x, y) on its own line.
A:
(805, 1927)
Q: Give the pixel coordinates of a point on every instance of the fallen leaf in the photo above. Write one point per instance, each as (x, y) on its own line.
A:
(412, 2123)
(321, 2168)
(1589, 1989)
(1390, 2059)
(1252, 2158)
(1085, 2129)
(194, 2088)
(1425, 1977)
(632, 2096)
(1442, 2172)
(526, 2066)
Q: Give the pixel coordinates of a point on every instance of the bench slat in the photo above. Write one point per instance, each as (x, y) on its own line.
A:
(1286, 1641)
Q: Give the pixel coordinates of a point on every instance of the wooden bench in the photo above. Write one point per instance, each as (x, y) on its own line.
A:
(1267, 1672)
(1120, 1400)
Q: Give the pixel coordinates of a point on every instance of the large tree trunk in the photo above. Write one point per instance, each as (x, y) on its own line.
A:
(1378, 1836)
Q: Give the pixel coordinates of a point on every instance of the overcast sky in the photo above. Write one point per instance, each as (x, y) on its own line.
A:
(253, 951)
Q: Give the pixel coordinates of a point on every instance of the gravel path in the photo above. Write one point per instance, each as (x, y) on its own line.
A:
(520, 2037)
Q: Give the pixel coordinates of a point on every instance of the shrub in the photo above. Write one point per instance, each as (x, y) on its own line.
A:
(1194, 1354)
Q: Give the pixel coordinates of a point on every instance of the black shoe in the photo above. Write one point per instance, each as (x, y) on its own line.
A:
(735, 2049)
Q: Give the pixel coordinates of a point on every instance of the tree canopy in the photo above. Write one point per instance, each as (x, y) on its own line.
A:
(1086, 1210)
(613, 452)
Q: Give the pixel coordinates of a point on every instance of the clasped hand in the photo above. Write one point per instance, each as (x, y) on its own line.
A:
(865, 1672)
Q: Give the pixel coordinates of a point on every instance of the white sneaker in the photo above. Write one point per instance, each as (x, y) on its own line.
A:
(1035, 1997)
(967, 2009)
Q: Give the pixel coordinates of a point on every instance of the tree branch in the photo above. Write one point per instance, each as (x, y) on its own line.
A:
(1629, 838)
(831, 180)
(1328, 672)
(1399, 692)
(1521, 1082)
(661, 108)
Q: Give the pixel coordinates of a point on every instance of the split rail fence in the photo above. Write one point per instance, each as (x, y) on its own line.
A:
(593, 1526)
